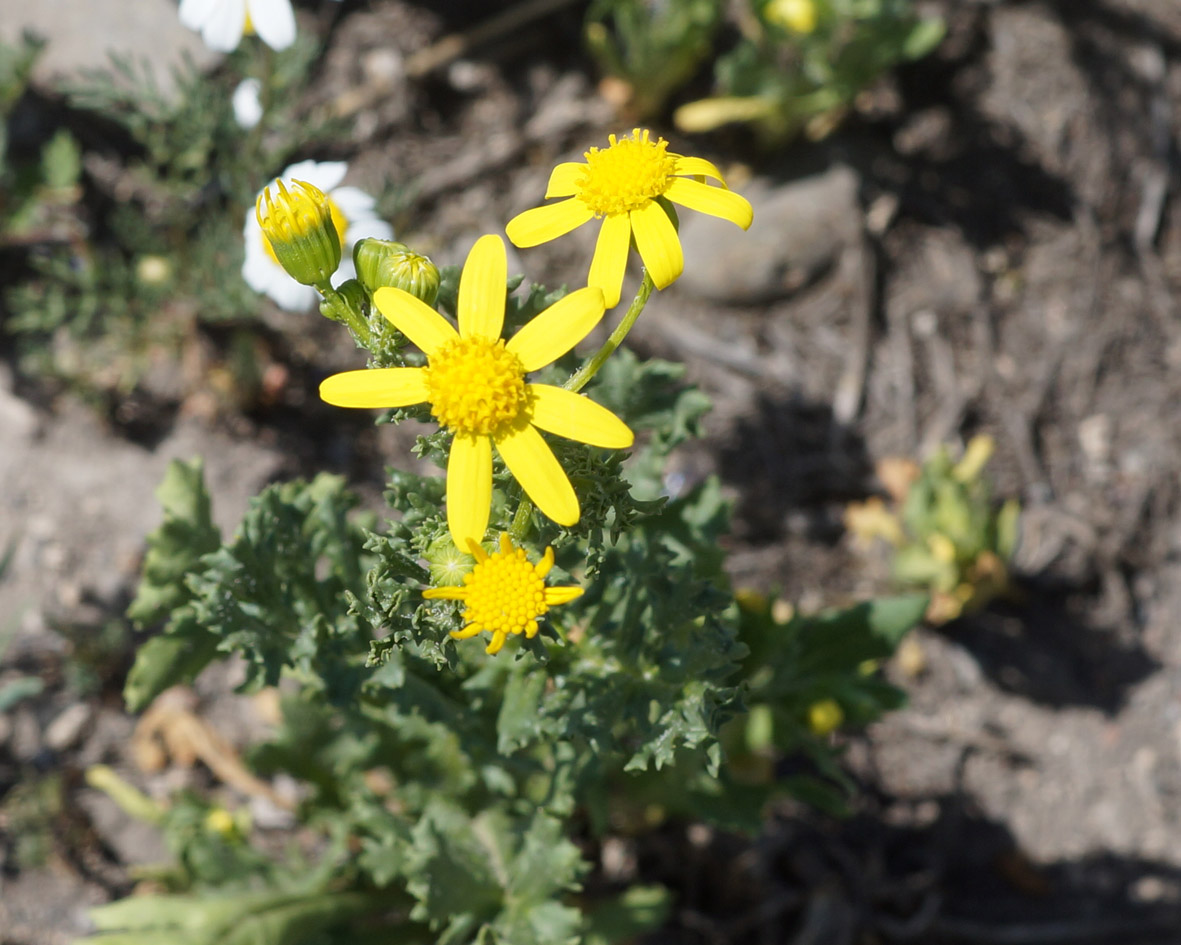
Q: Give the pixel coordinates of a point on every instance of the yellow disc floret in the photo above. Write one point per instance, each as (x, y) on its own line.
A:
(627, 174)
(504, 593)
(475, 386)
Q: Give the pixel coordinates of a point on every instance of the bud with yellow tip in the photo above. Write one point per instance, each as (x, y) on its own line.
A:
(297, 223)
(382, 263)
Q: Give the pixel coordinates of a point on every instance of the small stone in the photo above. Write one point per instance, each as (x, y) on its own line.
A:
(67, 729)
(799, 231)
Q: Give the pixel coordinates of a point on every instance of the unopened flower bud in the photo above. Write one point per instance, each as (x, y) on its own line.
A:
(825, 716)
(796, 16)
(387, 263)
(297, 222)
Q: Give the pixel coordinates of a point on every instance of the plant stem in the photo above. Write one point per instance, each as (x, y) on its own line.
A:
(578, 380)
(337, 307)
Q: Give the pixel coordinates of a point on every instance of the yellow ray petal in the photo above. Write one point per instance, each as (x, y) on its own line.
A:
(697, 167)
(716, 201)
(377, 387)
(482, 289)
(561, 595)
(577, 417)
(469, 488)
(535, 467)
(445, 593)
(415, 319)
(610, 259)
(558, 329)
(546, 223)
(563, 179)
(658, 243)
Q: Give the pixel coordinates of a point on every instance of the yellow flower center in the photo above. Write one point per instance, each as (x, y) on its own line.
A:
(305, 221)
(626, 175)
(248, 26)
(475, 385)
(505, 593)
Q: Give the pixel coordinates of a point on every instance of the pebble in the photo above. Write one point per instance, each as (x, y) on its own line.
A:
(67, 729)
(800, 229)
(82, 36)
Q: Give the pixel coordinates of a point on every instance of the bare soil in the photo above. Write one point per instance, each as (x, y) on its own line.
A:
(990, 243)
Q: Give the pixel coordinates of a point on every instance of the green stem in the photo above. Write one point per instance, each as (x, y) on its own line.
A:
(579, 379)
(342, 311)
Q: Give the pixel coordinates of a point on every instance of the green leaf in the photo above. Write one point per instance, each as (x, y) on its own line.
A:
(923, 37)
(177, 545)
(640, 910)
(61, 161)
(167, 660)
(518, 722)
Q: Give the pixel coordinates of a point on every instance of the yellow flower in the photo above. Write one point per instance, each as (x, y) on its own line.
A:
(475, 384)
(504, 593)
(622, 184)
(797, 16)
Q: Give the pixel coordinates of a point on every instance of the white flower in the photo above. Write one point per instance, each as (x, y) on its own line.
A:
(353, 212)
(222, 23)
(247, 105)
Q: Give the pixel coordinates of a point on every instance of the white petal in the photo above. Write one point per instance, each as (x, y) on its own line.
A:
(247, 105)
(354, 203)
(194, 13)
(326, 175)
(274, 22)
(223, 27)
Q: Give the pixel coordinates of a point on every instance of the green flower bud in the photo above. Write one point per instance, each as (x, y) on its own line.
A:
(448, 565)
(300, 230)
(383, 263)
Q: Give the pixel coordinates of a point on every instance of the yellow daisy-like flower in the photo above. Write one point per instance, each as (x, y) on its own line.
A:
(475, 384)
(621, 184)
(504, 593)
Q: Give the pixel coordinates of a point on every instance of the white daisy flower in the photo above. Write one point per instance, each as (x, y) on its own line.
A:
(247, 103)
(353, 212)
(223, 23)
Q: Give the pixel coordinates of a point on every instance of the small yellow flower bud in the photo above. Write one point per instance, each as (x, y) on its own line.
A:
(387, 263)
(220, 821)
(825, 716)
(798, 16)
(297, 223)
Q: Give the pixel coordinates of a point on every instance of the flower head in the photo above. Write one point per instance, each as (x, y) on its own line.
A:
(504, 593)
(223, 23)
(474, 382)
(623, 184)
(353, 216)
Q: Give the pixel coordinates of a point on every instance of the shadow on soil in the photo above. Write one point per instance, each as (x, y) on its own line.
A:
(793, 457)
(1046, 650)
(926, 871)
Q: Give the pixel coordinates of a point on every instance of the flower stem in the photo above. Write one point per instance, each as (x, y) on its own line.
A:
(336, 306)
(579, 379)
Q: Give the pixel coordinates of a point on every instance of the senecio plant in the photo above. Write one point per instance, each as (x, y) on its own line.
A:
(449, 792)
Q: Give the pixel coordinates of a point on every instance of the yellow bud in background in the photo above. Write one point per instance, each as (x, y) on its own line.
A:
(298, 224)
(825, 716)
(220, 821)
(978, 452)
(708, 114)
(796, 16)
